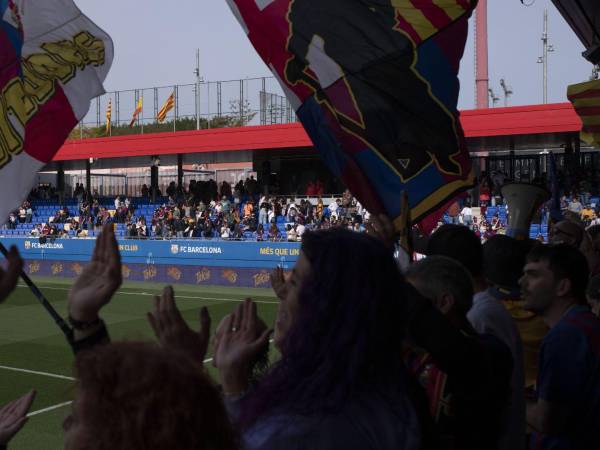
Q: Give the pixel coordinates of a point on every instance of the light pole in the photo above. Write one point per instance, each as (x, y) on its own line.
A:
(198, 81)
(507, 91)
(548, 48)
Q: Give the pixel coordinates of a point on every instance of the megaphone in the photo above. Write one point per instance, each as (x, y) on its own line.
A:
(523, 200)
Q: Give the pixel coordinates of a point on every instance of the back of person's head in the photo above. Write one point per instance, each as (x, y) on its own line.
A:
(459, 243)
(442, 280)
(349, 302)
(593, 289)
(567, 232)
(565, 262)
(503, 260)
(139, 396)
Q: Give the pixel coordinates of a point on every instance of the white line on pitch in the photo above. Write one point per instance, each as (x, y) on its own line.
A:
(35, 372)
(191, 297)
(49, 408)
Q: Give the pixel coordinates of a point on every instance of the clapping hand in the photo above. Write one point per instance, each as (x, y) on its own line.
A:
(9, 278)
(100, 279)
(239, 345)
(13, 416)
(278, 283)
(173, 332)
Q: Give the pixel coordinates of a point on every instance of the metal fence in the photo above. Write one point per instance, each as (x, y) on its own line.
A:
(213, 104)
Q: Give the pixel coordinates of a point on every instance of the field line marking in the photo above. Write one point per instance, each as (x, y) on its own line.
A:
(146, 294)
(35, 372)
(49, 408)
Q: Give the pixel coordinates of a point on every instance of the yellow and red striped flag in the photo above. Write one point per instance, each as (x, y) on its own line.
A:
(585, 98)
(108, 116)
(136, 113)
(168, 106)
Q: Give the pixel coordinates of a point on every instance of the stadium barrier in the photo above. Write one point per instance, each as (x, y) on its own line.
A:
(206, 262)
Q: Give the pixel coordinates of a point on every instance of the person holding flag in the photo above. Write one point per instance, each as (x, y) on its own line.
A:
(168, 106)
(137, 112)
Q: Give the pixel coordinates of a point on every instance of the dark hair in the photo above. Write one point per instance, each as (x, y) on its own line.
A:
(436, 275)
(140, 396)
(460, 243)
(354, 309)
(593, 288)
(503, 260)
(565, 262)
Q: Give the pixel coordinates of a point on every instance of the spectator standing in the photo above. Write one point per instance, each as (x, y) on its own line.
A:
(467, 215)
(566, 411)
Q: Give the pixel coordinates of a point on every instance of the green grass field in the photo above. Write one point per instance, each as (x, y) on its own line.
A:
(34, 353)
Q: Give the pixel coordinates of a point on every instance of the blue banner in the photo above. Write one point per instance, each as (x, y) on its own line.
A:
(209, 253)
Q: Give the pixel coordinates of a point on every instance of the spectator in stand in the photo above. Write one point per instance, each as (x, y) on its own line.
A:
(587, 215)
(260, 231)
(593, 295)
(467, 215)
(117, 203)
(292, 236)
(575, 206)
(28, 212)
(566, 411)
(274, 233)
(248, 209)
(22, 214)
(333, 209)
(225, 231)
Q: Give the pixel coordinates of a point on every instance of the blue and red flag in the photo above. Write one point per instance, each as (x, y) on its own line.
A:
(375, 84)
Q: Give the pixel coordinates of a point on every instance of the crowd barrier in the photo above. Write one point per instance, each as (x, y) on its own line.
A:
(208, 262)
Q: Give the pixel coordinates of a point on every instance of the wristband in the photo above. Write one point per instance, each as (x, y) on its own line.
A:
(82, 326)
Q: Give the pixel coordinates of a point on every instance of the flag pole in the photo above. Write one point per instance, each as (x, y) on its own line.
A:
(42, 299)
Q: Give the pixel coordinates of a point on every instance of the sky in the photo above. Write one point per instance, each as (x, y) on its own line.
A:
(156, 42)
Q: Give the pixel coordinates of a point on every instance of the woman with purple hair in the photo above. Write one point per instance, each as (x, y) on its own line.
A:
(340, 382)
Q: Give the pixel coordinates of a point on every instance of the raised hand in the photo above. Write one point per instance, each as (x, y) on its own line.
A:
(173, 332)
(382, 228)
(9, 278)
(278, 283)
(99, 280)
(13, 416)
(239, 345)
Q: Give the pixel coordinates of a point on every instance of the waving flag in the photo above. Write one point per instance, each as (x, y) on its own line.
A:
(168, 106)
(585, 98)
(53, 61)
(137, 112)
(109, 116)
(375, 84)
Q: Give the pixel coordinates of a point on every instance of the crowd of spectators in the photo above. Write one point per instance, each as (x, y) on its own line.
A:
(489, 346)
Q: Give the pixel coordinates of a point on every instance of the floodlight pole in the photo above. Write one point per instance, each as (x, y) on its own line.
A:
(198, 80)
(547, 48)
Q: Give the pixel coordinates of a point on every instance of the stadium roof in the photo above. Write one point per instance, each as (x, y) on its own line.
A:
(486, 130)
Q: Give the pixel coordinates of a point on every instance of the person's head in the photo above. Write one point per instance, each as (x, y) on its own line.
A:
(139, 396)
(354, 309)
(593, 294)
(567, 232)
(503, 261)
(444, 281)
(459, 243)
(553, 275)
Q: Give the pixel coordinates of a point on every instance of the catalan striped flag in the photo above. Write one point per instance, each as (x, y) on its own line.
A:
(137, 112)
(585, 98)
(375, 85)
(109, 116)
(168, 106)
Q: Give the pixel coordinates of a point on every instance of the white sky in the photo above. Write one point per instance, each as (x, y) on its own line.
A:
(155, 44)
